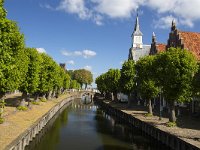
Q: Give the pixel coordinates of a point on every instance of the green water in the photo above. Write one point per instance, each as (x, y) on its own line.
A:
(87, 127)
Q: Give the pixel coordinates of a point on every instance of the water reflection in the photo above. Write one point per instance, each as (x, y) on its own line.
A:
(87, 127)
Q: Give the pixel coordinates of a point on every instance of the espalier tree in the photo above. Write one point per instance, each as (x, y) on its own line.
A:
(175, 71)
(127, 79)
(12, 67)
(146, 83)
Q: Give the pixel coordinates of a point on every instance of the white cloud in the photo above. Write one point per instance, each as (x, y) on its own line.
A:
(75, 7)
(84, 53)
(77, 53)
(41, 50)
(71, 62)
(98, 19)
(88, 53)
(66, 53)
(116, 8)
(164, 22)
(88, 68)
(186, 11)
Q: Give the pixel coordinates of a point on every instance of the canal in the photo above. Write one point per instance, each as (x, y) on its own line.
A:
(83, 126)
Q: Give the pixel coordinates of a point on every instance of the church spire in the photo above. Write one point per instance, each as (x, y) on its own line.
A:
(173, 27)
(137, 31)
(137, 35)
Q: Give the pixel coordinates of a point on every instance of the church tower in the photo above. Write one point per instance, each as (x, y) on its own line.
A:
(137, 35)
(138, 49)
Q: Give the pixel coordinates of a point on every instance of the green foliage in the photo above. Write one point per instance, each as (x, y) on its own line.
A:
(101, 83)
(148, 115)
(66, 81)
(1, 120)
(11, 50)
(46, 75)
(128, 74)
(146, 78)
(2, 103)
(23, 108)
(83, 76)
(43, 100)
(175, 71)
(171, 124)
(74, 85)
(112, 80)
(35, 103)
(31, 81)
(196, 83)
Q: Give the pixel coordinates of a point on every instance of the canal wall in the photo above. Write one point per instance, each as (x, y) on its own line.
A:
(168, 139)
(23, 140)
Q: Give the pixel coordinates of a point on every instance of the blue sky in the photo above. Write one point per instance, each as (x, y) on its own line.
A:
(96, 34)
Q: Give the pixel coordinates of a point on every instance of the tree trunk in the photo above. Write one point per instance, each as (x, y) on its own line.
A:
(36, 99)
(172, 115)
(49, 94)
(53, 94)
(23, 101)
(150, 107)
(85, 86)
(115, 96)
(129, 100)
(112, 96)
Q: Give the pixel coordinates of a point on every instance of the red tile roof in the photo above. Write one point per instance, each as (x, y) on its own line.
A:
(160, 47)
(191, 41)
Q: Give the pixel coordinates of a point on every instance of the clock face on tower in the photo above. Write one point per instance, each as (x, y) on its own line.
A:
(137, 45)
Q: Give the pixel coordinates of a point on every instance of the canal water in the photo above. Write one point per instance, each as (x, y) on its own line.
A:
(83, 126)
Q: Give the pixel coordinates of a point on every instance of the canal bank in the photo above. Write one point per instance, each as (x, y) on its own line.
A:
(87, 127)
(174, 141)
(21, 126)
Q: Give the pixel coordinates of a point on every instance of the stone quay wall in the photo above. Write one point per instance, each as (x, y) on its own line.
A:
(175, 143)
(23, 140)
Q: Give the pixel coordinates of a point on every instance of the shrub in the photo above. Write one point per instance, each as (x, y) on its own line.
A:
(23, 108)
(35, 103)
(148, 115)
(171, 124)
(43, 100)
(1, 120)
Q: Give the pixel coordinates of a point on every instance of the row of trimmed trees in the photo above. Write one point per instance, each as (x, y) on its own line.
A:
(175, 74)
(25, 69)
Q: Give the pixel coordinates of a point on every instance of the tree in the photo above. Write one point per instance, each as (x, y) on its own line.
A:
(196, 83)
(101, 83)
(11, 52)
(112, 81)
(175, 71)
(66, 82)
(74, 84)
(31, 80)
(127, 80)
(147, 87)
(46, 75)
(83, 76)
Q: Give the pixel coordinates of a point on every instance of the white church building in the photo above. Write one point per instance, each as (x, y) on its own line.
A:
(138, 49)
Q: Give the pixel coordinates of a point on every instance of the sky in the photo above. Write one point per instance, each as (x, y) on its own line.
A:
(96, 34)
